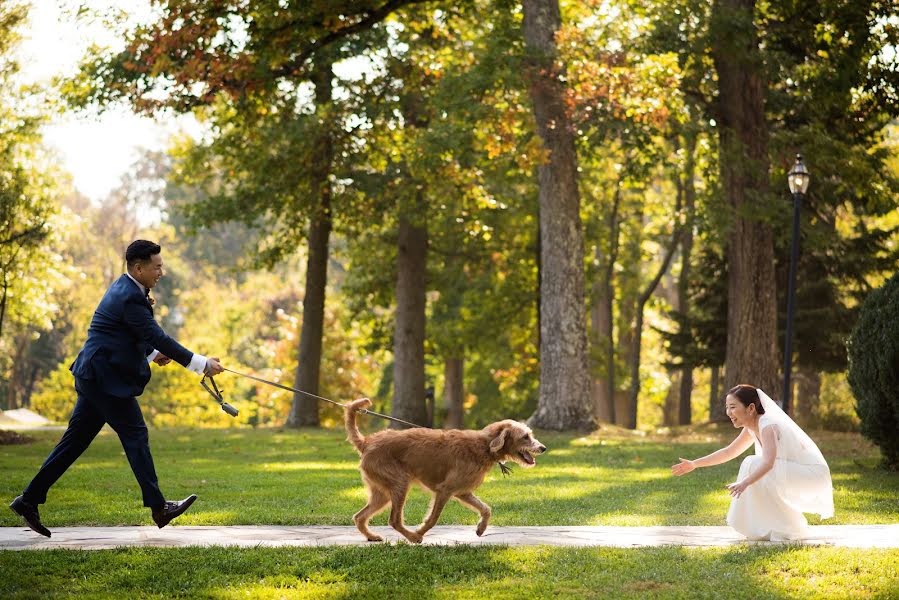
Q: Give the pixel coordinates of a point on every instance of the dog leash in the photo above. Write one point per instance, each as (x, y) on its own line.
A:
(217, 394)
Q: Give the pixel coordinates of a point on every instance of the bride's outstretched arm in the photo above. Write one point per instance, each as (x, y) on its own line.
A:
(733, 450)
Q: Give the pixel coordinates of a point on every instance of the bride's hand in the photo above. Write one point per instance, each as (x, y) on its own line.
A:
(683, 467)
(737, 488)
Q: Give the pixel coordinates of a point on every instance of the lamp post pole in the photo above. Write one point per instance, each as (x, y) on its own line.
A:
(791, 303)
(798, 180)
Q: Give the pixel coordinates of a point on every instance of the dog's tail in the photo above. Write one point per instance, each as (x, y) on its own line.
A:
(349, 421)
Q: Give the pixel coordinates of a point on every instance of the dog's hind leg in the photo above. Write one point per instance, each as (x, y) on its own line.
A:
(398, 501)
(477, 505)
(438, 502)
(377, 500)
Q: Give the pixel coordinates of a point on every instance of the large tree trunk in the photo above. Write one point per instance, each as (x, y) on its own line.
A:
(751, 355)
(304, 410)
(564, 401)
(409, 333)
(685, 413)
(453, 391)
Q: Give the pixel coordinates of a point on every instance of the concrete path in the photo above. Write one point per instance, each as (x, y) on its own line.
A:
(96, 538)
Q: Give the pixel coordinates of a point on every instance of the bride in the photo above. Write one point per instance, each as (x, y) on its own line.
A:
(786, 477)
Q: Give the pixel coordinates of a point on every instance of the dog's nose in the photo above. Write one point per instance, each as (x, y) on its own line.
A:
(542, 449)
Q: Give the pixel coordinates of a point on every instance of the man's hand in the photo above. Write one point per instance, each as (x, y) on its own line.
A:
(162, 360)
(213, 366)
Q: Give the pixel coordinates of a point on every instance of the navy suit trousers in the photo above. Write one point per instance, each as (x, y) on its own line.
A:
(92, 410)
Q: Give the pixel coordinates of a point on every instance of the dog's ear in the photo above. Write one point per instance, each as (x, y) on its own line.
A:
(497, 443)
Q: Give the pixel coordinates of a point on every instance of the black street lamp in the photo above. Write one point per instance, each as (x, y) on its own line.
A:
(798, 179)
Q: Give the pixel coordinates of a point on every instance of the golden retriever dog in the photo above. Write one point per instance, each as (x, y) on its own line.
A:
(448, 463)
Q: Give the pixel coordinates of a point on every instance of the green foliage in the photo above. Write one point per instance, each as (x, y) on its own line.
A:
(836, 408)
(429, 103)
(32, 274)
(701, 335)
(873, 356)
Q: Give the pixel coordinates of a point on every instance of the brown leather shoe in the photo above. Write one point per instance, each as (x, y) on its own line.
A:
(162, 515)
(29, 512)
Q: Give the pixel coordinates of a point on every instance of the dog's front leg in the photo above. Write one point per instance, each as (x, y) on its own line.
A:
(438, 502)
(477, 505)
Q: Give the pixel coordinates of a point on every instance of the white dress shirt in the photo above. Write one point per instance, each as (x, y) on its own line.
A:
(197, 362)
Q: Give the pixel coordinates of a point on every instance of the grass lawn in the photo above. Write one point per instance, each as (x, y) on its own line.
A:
(403, 571)
(310, 477)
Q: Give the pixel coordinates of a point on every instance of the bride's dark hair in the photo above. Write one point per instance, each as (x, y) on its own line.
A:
(747, 394)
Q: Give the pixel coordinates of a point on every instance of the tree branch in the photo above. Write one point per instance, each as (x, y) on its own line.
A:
(376, 16)
(34, 231)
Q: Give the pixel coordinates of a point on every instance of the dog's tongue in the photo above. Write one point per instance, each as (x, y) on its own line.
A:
(528, 458)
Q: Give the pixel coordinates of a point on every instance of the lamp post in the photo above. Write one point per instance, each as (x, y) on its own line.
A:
(797, 179)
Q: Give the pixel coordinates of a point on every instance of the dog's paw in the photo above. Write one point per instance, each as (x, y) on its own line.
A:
(482, 527)
(375, 538)
(414, 537)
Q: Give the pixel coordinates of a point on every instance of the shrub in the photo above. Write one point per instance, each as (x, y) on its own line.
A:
(874, 370)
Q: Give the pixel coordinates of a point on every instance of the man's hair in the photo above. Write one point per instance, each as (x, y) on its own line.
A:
(140, 251)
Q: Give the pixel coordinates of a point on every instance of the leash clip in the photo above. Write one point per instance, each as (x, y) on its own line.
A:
(217, 394)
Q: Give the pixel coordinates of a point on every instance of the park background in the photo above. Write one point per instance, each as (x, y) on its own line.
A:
(579, 218)
(384, 191)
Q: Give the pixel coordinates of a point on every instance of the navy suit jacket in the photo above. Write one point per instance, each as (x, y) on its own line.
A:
(122, 334)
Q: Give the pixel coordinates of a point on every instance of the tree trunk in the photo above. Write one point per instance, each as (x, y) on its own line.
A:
(808, 398)
(626, 348)
(601, 330)
(30, 382)
(453, 391)
(600, 325)
(638, 326)
(751, 355)
(304, 410)
(409, 333)
(685, 413)
(603, 320)
(3, 303)
(564, 401)
(716, 403)
(670, 407)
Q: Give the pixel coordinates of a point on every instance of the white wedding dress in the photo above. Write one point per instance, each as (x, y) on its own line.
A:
(772, 507)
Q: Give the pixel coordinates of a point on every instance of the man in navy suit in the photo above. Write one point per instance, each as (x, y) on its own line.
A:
(110, 371)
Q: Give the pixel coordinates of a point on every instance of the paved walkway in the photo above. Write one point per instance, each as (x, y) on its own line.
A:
(96, 538)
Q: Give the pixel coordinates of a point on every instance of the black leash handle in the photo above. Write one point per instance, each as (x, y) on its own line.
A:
(217, 394)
